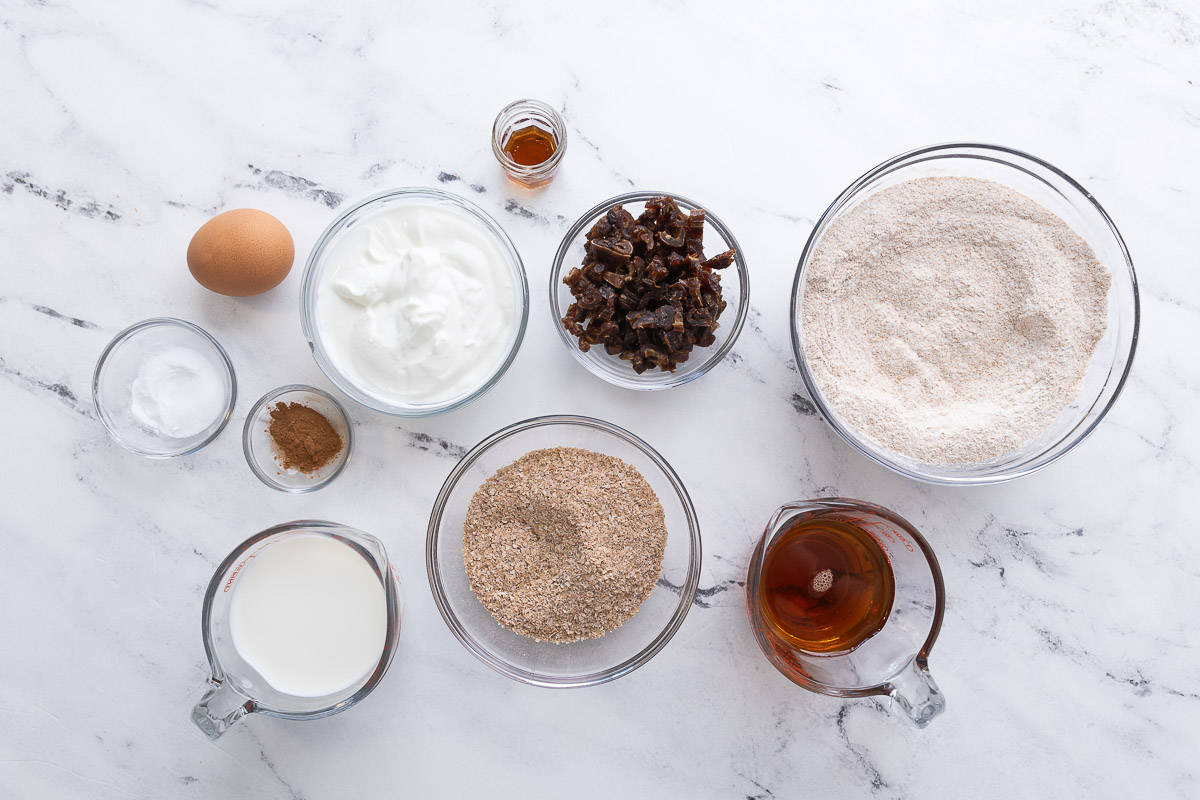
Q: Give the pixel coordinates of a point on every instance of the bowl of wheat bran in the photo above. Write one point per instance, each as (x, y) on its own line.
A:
(563, 551)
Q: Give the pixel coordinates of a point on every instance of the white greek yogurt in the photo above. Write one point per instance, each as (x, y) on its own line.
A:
(178, 393)
(416, 305)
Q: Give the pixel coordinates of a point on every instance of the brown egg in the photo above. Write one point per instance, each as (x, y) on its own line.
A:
(241, 252)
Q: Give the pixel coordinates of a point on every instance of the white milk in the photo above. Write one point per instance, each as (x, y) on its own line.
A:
(309, 614)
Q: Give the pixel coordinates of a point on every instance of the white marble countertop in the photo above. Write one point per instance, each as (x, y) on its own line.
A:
(1069, 655)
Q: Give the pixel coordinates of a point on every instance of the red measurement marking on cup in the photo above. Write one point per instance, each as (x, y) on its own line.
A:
(242, 564)
(885, 532)
(881, 531)
(234, 574)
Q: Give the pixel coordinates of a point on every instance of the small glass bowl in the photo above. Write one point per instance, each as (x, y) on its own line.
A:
(522, 114)
(592, 661)
(717, 239)
(317, 264)
(260, 448)
(1056, 191)
(118, 366)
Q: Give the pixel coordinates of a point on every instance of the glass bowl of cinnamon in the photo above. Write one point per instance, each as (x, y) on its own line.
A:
(297, 438)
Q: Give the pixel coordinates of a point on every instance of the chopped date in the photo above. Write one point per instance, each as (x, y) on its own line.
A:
(614, 252)
(645, 290)
(719, 261)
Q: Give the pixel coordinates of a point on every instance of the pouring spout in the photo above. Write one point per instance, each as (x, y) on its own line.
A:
(219, 708)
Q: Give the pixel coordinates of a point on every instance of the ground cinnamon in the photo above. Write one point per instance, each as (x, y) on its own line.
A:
(305, 439)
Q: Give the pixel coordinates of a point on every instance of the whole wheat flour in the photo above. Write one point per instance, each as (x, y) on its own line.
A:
(951, 320)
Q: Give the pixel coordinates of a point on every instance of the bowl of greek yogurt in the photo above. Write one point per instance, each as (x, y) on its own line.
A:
(414, 302)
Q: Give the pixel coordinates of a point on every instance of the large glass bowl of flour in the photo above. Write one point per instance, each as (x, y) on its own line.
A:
(940, 444)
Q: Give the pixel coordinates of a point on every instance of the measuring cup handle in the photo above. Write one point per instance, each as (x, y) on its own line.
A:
(219, 708)
(915, 692)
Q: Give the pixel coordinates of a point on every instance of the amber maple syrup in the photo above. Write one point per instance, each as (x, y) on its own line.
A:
(826, 585)
(530, 146)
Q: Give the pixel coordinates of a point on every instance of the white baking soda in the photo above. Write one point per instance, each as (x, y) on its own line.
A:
(178, 392)
(309, 615)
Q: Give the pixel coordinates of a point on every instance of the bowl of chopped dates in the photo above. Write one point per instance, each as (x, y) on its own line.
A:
(649, 290)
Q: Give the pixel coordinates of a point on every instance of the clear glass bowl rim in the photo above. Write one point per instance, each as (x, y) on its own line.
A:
(308, 289)
(247, 432)
(687, 592)
(137, 327)
(636, 381)
(1032, 464)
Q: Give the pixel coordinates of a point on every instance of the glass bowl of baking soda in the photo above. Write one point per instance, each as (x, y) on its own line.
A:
(163, 388)
(1001, 258)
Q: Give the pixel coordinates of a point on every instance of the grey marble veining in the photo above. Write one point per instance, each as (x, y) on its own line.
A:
(1070, 655)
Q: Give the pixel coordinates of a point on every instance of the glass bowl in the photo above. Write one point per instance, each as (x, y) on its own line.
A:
(118, 366)
(260, 449)
(318, 263)
(1056, 191)
(717, 239)
(591, 661)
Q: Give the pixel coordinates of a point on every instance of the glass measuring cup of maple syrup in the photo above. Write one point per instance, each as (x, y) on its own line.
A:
(267, 607)
(529, 139)
(846, 599)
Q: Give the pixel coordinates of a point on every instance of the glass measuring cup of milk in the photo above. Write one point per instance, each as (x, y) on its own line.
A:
(893, 660)
(237, 687)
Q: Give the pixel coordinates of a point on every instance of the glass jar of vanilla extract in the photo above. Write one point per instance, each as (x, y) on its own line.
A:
(529, 139)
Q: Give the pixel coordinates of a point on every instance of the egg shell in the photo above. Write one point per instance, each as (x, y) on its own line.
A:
(241, 253)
